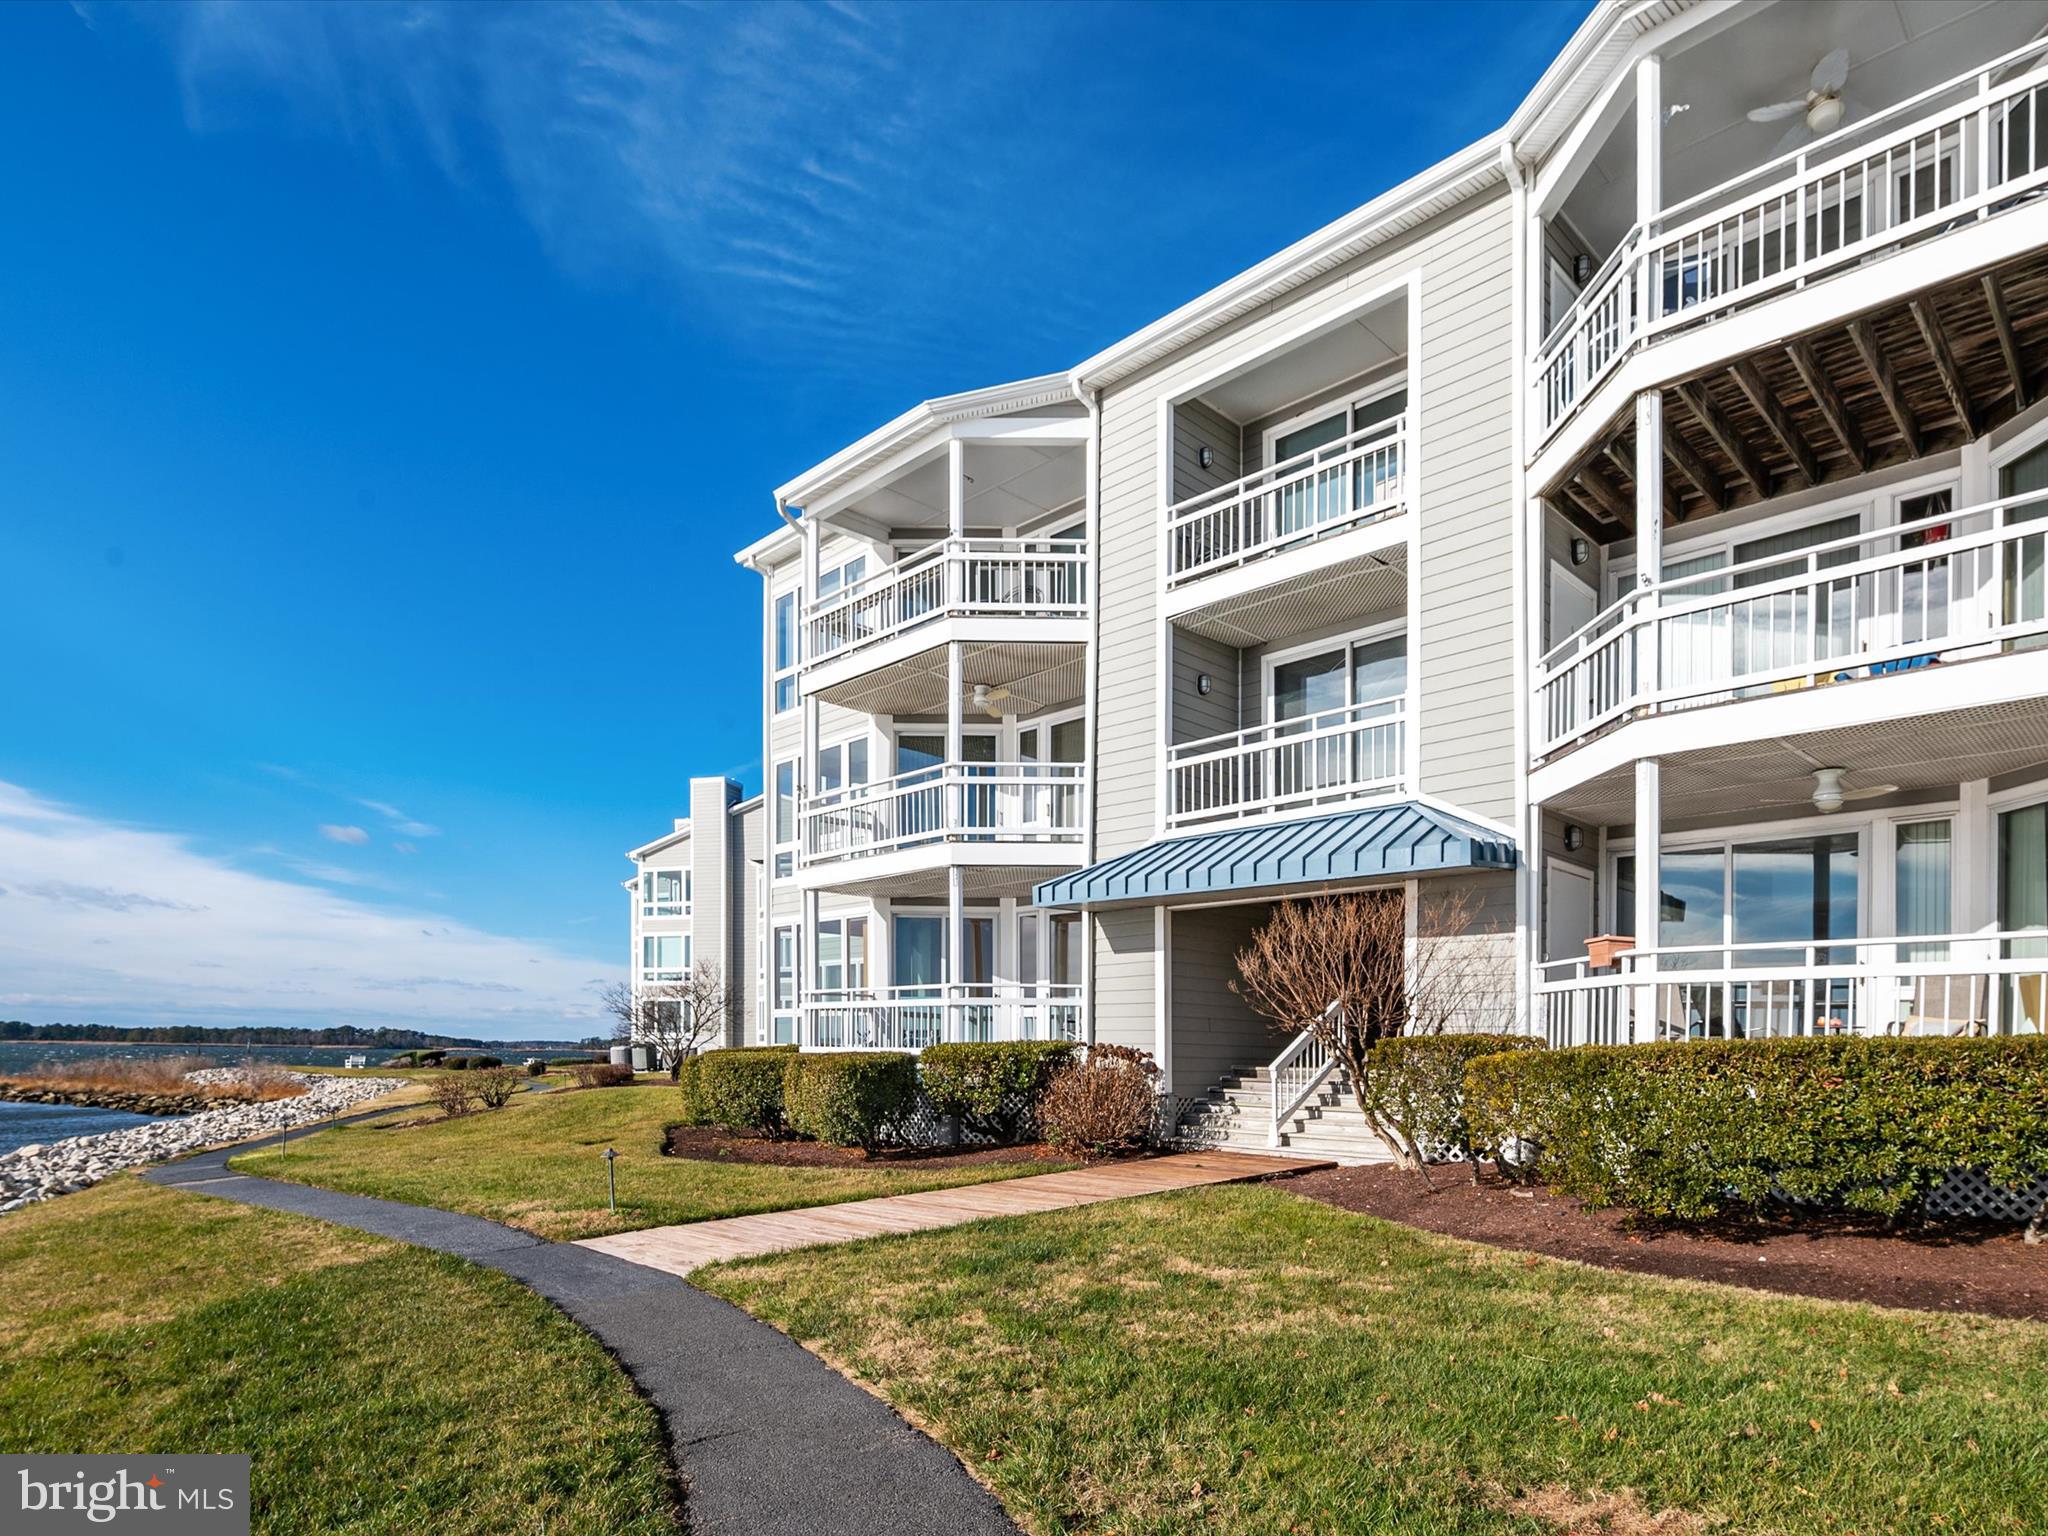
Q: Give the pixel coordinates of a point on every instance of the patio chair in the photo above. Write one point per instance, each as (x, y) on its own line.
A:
(1944, 1005)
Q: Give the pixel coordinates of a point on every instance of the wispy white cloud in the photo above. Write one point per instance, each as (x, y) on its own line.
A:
(355, 837)
(101, 921)
(401, 823)
(823, 172)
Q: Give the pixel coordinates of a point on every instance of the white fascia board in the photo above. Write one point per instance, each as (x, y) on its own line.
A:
(1023, 394)
(1392, 213)
(769, 550)
(648, 850)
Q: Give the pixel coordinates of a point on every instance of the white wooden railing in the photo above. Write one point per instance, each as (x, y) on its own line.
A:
(1960, 151)
(1888, 600)
(973, 802)
(1944, 984)
(1340, 754)
(954, 577)
(1355, 480)
(1299, 1071)
(911, 1018)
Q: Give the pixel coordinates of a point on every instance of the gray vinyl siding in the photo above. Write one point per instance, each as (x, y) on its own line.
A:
(1196, 716)
(750, 847)
(1487, 946)
(1465, 455)
(1199, 426)
(712, 893)
(1126, 978)
(1127, 688)
(1213, 1031)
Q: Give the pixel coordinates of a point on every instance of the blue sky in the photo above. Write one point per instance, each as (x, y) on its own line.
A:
(384, 389)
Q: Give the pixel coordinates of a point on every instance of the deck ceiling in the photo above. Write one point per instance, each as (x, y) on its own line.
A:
(1038, 677)
(1752, 780)
(1916, 377)
(978, 882)
(1351, 589)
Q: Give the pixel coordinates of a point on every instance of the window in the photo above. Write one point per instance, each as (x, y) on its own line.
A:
(1361, 672)
(844, 765)
(842, 959)
(1343, 488)
(1922, 870)
(665, 893)
(785, 993)
(1791, 892)
(831, 583)
(785, 652)
(785, 819)
(664, 956)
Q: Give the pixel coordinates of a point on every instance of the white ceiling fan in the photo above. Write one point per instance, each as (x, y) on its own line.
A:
(1829, 794)
(986, 699)
(1820, 111)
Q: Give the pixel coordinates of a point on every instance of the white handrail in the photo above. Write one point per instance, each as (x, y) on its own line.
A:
(1339, 754)
(910, 1018)
(981, 802)
(1357, 479)
(1868, 602)
(1891, 178)
(1963, 983)
(1299, 1070)
(1014, 577)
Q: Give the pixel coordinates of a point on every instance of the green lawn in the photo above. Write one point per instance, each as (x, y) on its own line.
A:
(1244, 1360)
(376, 1388)
(537, 1164)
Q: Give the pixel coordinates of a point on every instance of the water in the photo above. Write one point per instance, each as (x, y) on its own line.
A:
(24, 1125)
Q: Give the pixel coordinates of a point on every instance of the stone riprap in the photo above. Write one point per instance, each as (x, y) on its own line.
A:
(33, 1173)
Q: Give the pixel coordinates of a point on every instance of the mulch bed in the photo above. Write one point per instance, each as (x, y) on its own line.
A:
(711, 1145)
(1950, 1267)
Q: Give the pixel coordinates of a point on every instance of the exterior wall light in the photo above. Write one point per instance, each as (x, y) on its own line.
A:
(1574, 838)
(1203, 684)
(1581, 551)
(1205, 455)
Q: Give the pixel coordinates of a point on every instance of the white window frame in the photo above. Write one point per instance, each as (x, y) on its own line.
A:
(840, 580)
(780, 1012)
(840, 745)
(1378, 389)
(652, 970)
(782, 673)
(1366, 635)
(782, 852)
(652, 905)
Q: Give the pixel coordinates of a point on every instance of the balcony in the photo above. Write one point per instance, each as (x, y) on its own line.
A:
(1958, 984)
(912, 1018)
(1348, 484)
(1943, 160)
(1026, 816)
(989, 591)
(1949, 586)
(1290, 767)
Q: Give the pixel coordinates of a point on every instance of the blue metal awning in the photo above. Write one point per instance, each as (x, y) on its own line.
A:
(1386, 842)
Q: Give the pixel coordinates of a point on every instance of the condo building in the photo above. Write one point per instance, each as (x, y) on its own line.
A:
(1634, 526)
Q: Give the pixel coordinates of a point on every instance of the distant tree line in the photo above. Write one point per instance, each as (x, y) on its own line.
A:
(193, 1034)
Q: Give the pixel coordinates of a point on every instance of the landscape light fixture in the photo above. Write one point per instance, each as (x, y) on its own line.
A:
(611, 1180)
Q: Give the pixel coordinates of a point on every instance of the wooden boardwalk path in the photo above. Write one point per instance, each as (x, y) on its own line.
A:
(681, 1249)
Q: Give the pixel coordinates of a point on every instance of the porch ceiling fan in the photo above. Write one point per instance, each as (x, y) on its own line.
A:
(1830, 795)
(1820, 111)
(986, 699)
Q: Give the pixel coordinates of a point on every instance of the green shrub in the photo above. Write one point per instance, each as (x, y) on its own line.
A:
(742, 1088)
(536, 1068)
(1415, 1089)
(994, 1089)
(692, 1112)
(1105, 1101)
(1689, 1131)
(849, 1098)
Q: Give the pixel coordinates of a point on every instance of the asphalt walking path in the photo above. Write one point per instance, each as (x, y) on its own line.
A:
(770, 1441)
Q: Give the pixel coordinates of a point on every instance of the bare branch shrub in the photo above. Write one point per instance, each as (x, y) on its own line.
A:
(454, 1092)
(494, 1086)
(1102, 1103)
(673, 1019)
(1347, 970)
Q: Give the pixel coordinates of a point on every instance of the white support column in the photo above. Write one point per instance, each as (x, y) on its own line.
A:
(1649, 137)
(956, 952)
(1536, 277)
(1649, 487)
(807, 766)
(1649, 848)
(956, 518)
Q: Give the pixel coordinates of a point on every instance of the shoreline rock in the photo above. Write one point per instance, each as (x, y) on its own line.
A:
(42, 1172)
(133, 1101)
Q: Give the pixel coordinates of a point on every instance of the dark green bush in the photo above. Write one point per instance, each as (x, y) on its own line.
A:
(692, 1112)
(1415, 1088)
(849, 1098)
(742, 1088)
(536, 1068)
(1692, 1130)
(995, 1088)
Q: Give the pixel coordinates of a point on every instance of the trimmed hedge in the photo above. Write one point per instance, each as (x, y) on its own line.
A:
(849, 1098)
(1415, 1087)
(742, 1088)
(993, 1089)
(1690, 1130)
